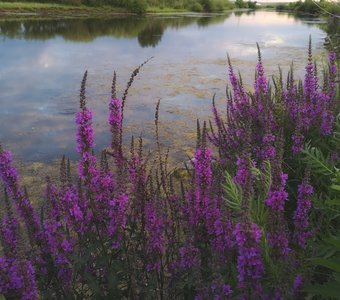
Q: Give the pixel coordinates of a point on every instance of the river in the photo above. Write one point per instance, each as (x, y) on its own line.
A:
(42, 63)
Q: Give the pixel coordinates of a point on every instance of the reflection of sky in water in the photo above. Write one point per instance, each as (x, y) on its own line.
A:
(39, 79)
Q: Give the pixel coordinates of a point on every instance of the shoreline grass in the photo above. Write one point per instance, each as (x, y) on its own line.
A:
(13, 9)
(40, 9)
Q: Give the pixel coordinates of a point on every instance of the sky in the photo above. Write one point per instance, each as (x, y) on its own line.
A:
(282, 1)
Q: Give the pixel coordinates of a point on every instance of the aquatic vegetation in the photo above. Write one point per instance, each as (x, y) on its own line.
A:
(242, 222)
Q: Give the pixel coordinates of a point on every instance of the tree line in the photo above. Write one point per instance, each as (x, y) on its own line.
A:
(140, 6)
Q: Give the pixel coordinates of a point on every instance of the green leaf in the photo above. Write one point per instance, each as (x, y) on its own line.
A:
(315, 159)
(329, 289)
(267, 175)
(2, 297)
(232, 192)
(335, 187)
(327, 263)
(336, 277)
(333, 201)
(334, 242)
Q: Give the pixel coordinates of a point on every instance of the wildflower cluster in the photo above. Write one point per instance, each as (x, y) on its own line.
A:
(125, 227)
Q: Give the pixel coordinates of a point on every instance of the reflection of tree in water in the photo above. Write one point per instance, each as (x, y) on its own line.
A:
(239, 13)
(148, 30)
(203, 22)
(151, 35)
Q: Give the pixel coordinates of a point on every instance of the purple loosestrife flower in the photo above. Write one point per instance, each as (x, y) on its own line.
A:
(17, 279)
(278, 295)
(203, 180)
(332, 74)
(243, 172)
(276, 199)
(260, 86)
(30, 291)
(65, 271)
(297, 139)
(313, 101)
(10, 279)
(267, 151)
(249, 262)
(277, 237)
(24, 208)
(155, 237)
(327, 122)
(115, 121)
(202, 163)
(238, 90)
(298, 282)
(136, 170)
(310, 83)
(85, 134)
(85, 142)
(76, 210)
(304, 204)
(60, 245)
(238, 111)
(192, 209)
(189, 256)
(219, 228)
(8, 234)
(220, 290)
(290, 98)
(118, 213)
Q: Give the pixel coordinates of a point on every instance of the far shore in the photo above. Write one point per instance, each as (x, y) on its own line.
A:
(46, 10)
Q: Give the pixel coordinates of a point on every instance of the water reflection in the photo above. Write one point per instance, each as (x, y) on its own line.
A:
(148, 30)
(42, 62)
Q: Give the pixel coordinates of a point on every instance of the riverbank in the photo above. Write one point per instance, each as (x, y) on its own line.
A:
(19, 9)
(57, 10)
(329, 11)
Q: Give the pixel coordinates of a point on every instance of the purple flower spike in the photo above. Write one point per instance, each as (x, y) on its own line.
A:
(202, 164)
(116, 121)
(276, 200)
(260, 86)
(304, 203)
(24, 207)
(85, 134)
(249, 262)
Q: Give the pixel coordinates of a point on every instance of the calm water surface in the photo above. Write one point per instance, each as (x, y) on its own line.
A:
(42, 63)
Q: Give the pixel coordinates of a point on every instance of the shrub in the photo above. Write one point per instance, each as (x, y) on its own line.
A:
(240, 4)
(137, 6)
(251, 4)
(197, 7)
(212, 5)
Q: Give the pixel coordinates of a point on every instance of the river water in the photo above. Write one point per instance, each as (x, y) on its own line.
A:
(42, 63)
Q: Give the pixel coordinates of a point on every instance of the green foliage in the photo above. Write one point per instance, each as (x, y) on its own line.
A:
(141, 6)
(232, 192)
(317, 161)
(240, 4)
(326, 279)
(322, 7)
(212, 5)
(243, 4)
(251, 4)
(197, 7)
(137, 6)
